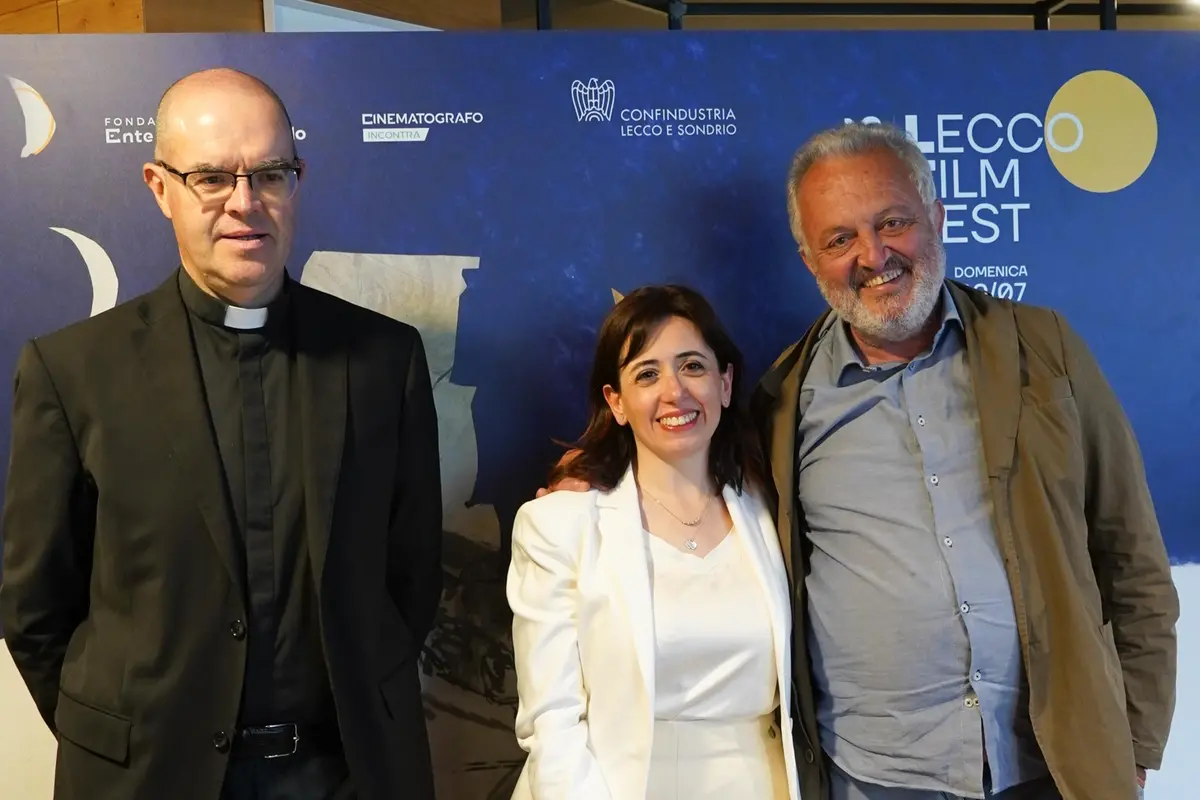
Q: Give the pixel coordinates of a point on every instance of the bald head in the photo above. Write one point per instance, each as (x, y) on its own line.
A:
(234, 237)
(190, 102)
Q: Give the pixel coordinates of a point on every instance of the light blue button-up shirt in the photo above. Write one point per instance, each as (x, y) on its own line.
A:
(916, 660)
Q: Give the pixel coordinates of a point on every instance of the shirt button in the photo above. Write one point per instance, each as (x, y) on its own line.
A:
(808, 755)
(949, 542)
(965, 607)
(977, 675)
(920, 420)
(238, 629)
(933, 479)
(221, 742)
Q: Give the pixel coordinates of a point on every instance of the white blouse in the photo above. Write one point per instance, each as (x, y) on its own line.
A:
(713, 648)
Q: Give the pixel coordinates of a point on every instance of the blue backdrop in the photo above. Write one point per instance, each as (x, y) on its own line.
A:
(497, 189)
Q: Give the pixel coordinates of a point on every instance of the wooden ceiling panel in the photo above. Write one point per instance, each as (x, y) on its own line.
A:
(189, 16)
(442, 14)
(99, 16)
(626, 14)
(28, 16)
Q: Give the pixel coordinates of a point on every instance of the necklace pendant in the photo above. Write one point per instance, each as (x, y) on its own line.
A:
(690, 544)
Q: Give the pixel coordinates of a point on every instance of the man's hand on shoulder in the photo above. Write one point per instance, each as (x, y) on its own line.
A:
(565, 484)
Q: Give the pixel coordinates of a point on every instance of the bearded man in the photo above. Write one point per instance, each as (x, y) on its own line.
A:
(983, 600)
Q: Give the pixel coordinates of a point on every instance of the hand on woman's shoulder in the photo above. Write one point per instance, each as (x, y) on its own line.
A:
(556, 518)
(562, 501)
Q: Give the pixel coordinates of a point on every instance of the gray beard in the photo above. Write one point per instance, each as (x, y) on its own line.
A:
(893, 322)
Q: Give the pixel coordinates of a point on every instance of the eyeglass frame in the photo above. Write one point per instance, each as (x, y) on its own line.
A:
(296, 165)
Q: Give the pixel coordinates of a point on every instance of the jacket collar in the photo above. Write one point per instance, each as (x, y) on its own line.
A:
(993, 357)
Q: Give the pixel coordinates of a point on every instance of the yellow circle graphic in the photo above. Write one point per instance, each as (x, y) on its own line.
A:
(1100, 131)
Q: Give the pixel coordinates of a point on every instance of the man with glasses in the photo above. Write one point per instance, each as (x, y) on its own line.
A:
(223, 515)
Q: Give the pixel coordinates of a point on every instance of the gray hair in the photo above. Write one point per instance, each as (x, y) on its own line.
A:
(855, 138)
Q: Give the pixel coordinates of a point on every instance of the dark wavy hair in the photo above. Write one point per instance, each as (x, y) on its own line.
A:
(606, 449)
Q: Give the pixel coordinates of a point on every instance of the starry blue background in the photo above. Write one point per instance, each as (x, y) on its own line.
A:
(561, 212)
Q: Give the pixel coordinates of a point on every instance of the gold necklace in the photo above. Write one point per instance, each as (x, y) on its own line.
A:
(690, 542)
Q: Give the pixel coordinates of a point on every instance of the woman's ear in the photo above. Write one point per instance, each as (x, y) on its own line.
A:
(613, 398)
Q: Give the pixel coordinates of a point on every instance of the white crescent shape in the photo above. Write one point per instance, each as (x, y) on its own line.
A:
(100, 268)
(39, 121)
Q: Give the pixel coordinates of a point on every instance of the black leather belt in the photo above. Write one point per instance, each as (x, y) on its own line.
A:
(285, 739)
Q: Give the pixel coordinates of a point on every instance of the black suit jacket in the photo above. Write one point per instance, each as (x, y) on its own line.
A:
(120, 599)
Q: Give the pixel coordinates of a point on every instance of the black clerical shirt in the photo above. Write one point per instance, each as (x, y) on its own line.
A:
(249, 378)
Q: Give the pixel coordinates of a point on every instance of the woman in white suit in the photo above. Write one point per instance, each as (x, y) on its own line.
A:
(651, 611)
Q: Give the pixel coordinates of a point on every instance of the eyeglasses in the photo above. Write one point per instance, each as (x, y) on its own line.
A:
(274, 183)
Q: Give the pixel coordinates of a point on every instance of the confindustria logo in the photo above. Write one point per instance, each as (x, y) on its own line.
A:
(412, 126)
(595, 101)
(39, 120)
(141, 130)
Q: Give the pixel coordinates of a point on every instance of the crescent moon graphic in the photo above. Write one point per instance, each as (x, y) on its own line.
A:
(39, 121)
(100, 268)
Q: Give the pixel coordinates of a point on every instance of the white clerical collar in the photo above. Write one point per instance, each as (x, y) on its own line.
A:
(245, 318)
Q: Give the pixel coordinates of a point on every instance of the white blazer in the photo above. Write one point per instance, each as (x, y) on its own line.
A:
(579, 588)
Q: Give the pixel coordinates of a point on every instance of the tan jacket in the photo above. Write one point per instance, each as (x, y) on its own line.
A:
(1091, 582)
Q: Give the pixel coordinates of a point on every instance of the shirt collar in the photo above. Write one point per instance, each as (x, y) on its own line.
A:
(217, 312)
(844, 354)
(245, 319)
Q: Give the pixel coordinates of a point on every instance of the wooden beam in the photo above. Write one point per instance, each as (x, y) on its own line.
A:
(210, 16)
(99, 16)
(442, 14)
(28, 16)
(12, 6)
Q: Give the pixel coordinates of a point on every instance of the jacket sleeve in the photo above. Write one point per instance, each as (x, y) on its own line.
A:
(48, 529)
(551, 723)
(1128, 554)
(415, 540)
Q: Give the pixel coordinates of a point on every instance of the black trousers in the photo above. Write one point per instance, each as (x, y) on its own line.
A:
(298, 777)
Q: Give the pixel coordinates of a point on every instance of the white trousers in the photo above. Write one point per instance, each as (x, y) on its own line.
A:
(717, 761)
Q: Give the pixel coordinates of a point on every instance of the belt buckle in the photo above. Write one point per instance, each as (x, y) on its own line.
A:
(280, 726)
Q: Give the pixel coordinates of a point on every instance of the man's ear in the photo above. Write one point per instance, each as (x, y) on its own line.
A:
(937, 216)
(807, 257)
(156, 181)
